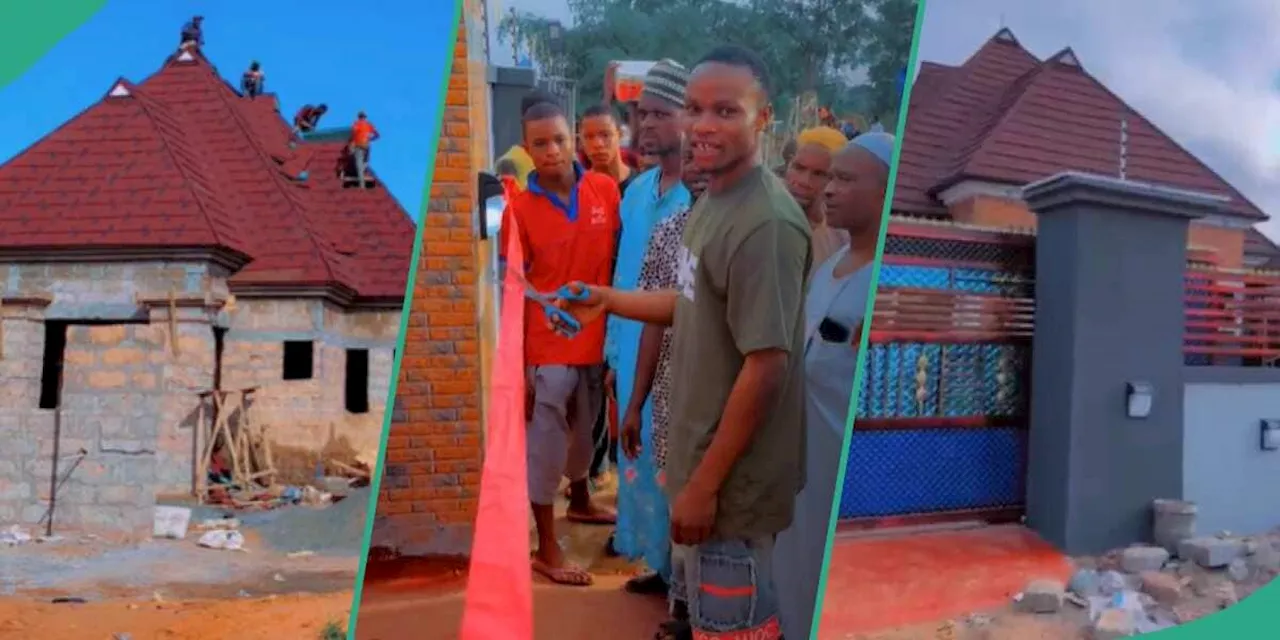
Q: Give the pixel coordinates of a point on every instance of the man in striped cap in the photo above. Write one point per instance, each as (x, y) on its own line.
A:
(654, 196)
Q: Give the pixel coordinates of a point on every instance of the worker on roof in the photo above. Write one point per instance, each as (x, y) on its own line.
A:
(192, 34)
(308, 117)
(363, 133)
(253, 80)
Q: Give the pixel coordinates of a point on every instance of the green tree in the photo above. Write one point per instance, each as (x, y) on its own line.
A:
(810, 46)
(809, 40)
(887, 53)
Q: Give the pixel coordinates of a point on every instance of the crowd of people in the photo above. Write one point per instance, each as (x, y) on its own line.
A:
(719, 312)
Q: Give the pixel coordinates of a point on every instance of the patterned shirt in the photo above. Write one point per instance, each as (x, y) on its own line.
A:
(658, 273)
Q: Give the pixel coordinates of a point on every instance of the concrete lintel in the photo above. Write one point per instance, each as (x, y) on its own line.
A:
(27, 300)
(96, 312)
(184, 300)
(1069, 189)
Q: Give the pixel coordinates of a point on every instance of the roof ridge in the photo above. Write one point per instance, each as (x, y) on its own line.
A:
(963, 73)
(1230, 188)
(995, 40)
(207, 202)
(944, 168)
(284, 189)
(1013, 95)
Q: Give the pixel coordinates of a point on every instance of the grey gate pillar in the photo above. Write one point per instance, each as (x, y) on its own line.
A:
(508, 86)
(1110, 269)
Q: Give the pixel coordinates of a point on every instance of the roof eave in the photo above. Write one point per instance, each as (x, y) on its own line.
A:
(231, 259)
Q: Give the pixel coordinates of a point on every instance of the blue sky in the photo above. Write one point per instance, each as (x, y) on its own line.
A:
(387, 59)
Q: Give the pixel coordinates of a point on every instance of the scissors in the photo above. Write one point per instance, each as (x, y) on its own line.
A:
(564, 321)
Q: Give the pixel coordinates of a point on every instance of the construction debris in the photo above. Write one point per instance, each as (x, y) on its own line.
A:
(222, 539)
(171, 522)
(14, 536)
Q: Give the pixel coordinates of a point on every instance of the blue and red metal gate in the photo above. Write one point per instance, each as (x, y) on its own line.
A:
(942, 414)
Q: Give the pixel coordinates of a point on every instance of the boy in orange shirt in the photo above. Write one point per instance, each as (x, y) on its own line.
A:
(568, 224)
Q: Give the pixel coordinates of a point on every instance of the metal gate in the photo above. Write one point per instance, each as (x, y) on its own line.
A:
(942, 413)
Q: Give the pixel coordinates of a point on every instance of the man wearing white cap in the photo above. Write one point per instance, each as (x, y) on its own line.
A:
(835, 309)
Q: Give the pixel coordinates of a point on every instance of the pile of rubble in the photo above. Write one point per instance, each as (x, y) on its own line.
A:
(1144, 588)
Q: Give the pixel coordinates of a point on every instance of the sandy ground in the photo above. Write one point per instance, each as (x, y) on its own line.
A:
(427, 596)
(294, 580)
(272, 618)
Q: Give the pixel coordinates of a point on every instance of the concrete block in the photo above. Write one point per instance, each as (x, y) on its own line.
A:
(14, 491)
(1165, 588)
(1041, 596)
(1211, 553)
(125, 495)
(1239, 570)
(1138, 559)
(32, 513)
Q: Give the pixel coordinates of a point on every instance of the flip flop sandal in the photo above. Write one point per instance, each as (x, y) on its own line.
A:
(569, 576)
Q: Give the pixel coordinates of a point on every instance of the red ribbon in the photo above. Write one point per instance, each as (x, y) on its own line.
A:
(499, 600)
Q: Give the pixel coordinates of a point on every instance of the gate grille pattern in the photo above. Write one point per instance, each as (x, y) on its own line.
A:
(942, 411)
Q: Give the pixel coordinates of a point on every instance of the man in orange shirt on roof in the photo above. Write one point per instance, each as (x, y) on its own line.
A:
(567, 220)
(362, 134)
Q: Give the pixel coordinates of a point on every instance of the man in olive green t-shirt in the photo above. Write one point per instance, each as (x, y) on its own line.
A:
(735, 459)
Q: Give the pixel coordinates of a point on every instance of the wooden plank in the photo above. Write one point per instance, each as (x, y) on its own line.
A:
(173, 322)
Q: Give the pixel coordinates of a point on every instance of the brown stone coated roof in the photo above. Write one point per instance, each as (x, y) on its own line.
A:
(182, 161)
(1258, 244)
(1005, 116)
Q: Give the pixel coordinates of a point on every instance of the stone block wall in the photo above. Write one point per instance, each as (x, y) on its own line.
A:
(431, 481)
(21, 348)
(186, 375)
(110, 410)
(131, 401)
(303, 417)
(127, 400)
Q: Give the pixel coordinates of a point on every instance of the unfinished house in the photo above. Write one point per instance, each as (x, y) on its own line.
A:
(169, 246)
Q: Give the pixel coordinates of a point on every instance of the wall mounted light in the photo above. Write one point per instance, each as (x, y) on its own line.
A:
(1138, 396)
(1270, 434)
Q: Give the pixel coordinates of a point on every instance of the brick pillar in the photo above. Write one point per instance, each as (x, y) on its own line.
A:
(432, 474)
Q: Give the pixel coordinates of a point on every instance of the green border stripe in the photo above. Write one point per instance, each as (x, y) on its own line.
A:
(866, 333)
(28, 30)
(376, 485)
(1246, 620)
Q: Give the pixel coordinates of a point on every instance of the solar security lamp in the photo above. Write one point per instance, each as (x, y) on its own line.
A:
(1138, 399)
